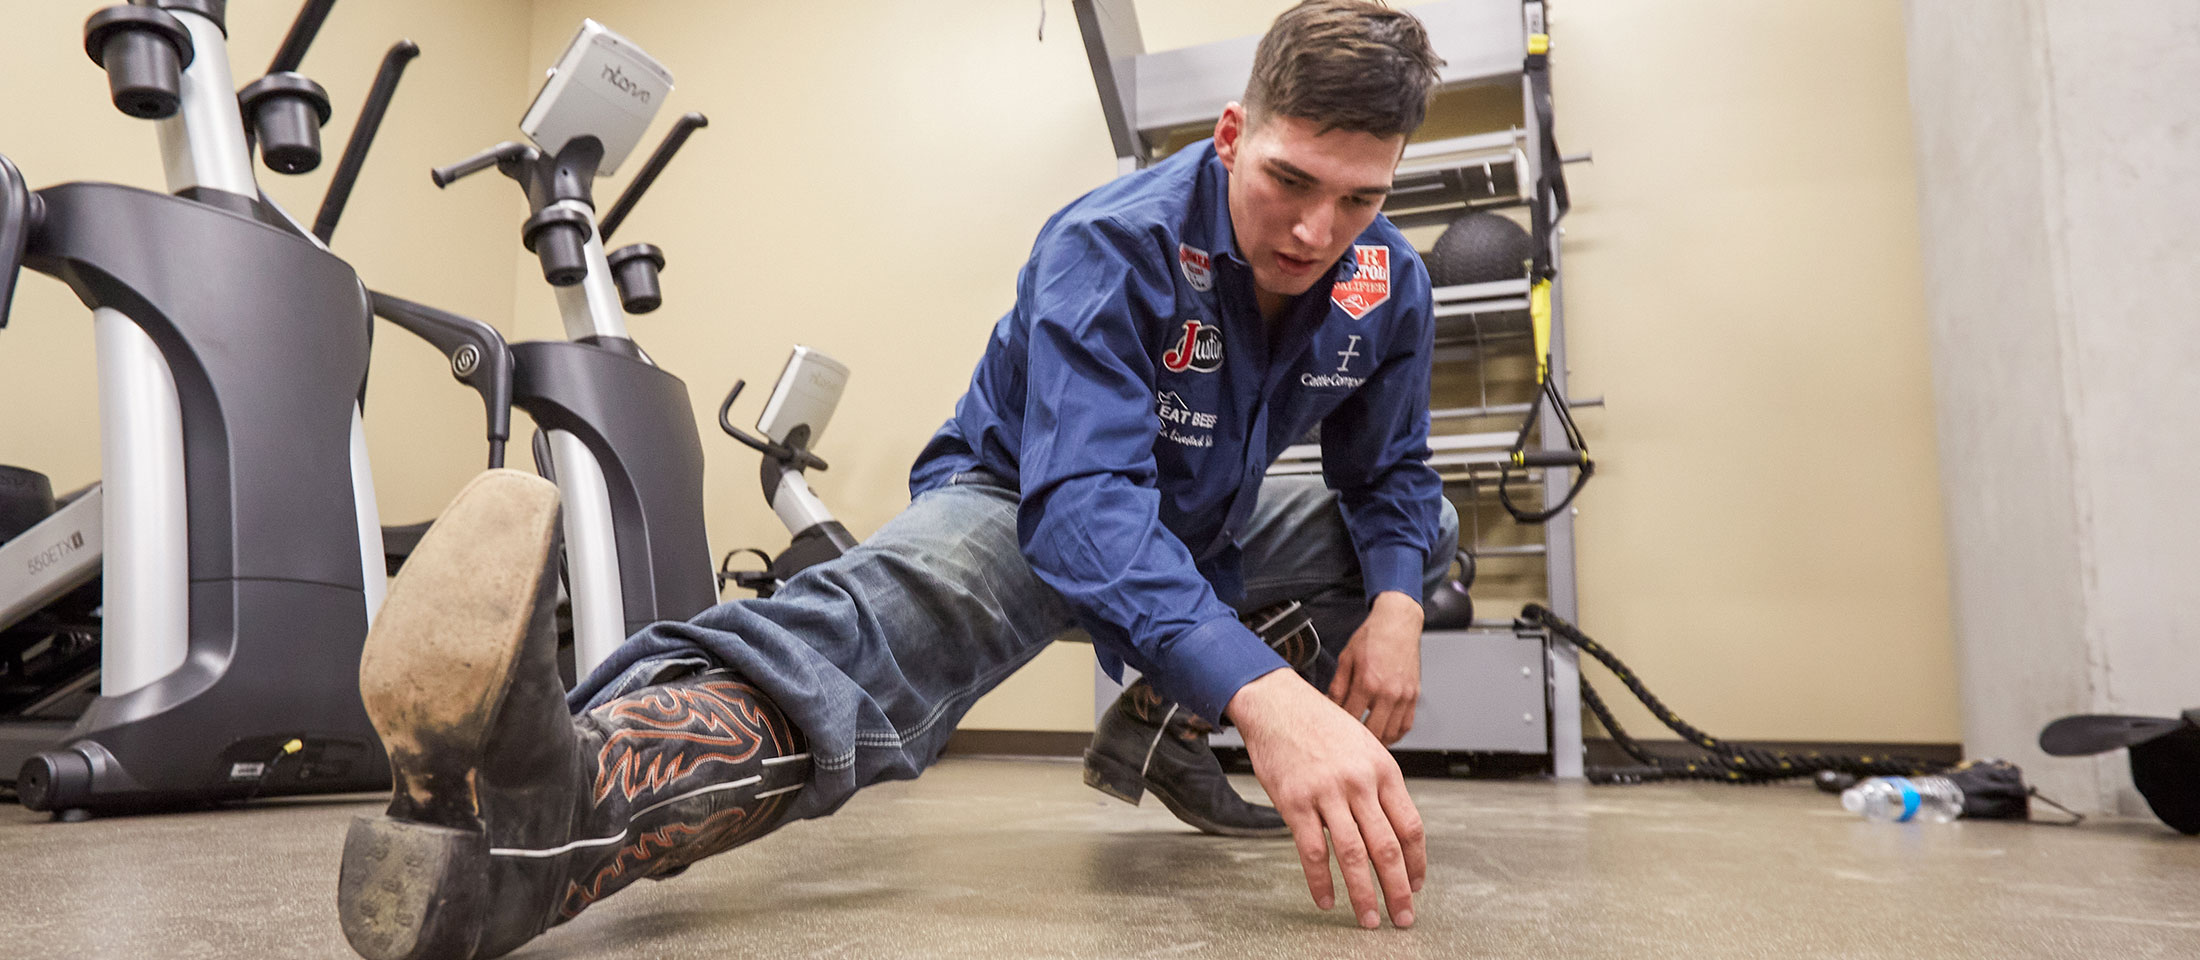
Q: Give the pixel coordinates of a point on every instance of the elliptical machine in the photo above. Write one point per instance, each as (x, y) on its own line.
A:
(235, 524)
(617, 433)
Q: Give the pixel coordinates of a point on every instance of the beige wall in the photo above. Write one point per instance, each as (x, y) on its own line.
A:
(1742, 278)
(1763, 543)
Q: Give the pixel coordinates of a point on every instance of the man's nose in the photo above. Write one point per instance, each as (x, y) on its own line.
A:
(1314, 226)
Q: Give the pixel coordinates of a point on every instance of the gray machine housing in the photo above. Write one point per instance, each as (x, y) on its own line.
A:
(277, 596)
(239, 352)
(636, 420)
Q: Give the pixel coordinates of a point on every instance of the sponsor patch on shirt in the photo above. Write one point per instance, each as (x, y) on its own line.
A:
(1198, 267)
(1180, 424)
(1198, 349)
(1171, 408)
(1343, 376)
(1369, 284)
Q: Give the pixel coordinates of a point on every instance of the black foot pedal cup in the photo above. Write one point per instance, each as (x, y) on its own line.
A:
(144, 51)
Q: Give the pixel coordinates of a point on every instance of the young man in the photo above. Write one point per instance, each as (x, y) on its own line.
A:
(1173, 332)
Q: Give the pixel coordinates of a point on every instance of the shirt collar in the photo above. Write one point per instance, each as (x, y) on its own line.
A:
(1214, 192)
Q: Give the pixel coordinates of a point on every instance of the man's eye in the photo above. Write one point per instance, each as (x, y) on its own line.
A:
(1359, 202)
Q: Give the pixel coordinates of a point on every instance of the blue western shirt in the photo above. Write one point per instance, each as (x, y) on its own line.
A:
(1136, 398)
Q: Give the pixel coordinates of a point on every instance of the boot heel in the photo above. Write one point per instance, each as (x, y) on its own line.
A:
(411, 891)
(1113, 777)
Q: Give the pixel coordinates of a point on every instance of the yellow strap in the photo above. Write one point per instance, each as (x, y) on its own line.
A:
(1539, 43)
(1539, 315)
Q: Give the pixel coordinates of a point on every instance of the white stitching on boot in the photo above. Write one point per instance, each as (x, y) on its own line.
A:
(1158, 734)
(622, 834)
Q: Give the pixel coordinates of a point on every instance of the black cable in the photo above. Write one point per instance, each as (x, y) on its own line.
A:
(1722, 761)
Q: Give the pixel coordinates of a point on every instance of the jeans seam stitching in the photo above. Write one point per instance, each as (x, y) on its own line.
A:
(900, 738)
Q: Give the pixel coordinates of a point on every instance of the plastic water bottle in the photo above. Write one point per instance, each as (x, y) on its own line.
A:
(1903, 799)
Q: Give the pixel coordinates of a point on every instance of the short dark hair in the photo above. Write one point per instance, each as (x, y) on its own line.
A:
(1346, 65)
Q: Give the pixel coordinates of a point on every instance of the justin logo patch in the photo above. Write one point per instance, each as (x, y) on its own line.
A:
(1198, 267)
(1198, 349)
(1369, 284)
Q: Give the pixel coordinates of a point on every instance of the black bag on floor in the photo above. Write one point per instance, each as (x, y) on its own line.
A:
(2165, 757)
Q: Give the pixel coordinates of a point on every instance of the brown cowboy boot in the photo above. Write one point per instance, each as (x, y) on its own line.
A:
(510, 815)
(1143, 743)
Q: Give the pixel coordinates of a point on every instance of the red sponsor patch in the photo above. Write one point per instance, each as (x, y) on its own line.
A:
(1198, 267)
(1369, 285)
(1198, 349)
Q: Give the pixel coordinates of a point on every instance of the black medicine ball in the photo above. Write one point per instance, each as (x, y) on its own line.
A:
(1479, 247)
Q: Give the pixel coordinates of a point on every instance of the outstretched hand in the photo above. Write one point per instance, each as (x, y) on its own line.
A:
(1379, 672)
(1325, 771)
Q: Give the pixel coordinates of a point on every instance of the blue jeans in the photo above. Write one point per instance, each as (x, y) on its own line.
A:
(877, 655)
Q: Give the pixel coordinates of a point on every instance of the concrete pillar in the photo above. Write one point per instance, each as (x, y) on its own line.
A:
(2059, 177)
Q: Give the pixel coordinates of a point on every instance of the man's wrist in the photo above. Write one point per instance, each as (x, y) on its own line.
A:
(1253, 704)
(1397, 603)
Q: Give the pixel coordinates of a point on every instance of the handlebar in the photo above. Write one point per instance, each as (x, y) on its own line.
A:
(302, 31)
(478, 354)
(796, 458)
(674, 138)
(362, 137)
(506, 152)
(1551, 458)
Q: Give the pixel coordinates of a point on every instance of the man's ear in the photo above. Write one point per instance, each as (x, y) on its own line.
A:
(1230, 134)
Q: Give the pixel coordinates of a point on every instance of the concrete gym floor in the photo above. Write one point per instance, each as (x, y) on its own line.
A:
(1016, 858)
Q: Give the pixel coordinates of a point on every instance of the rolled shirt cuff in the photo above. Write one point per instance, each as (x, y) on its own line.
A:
(1394, 567)
(1205, 666)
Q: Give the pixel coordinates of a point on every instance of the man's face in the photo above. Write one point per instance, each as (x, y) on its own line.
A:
(1299, 196)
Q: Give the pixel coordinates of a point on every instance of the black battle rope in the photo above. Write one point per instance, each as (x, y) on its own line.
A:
(1723, 762)
(1550, 206)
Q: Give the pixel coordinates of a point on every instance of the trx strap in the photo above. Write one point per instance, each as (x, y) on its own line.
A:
(1550, 206)
(1551, 199)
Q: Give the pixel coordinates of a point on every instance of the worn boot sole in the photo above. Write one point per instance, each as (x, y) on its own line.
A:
(434, 673)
